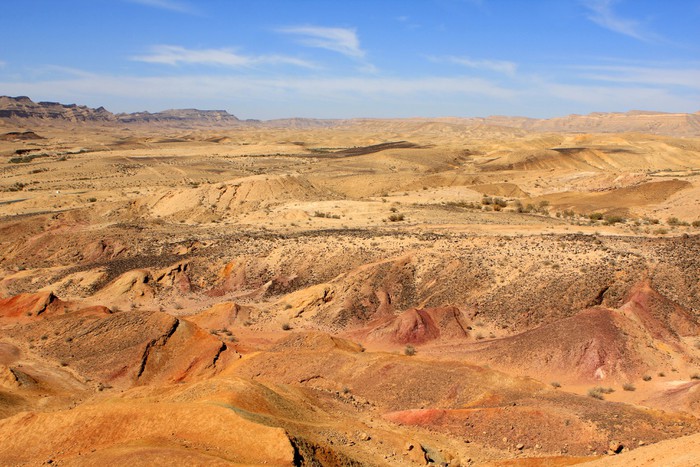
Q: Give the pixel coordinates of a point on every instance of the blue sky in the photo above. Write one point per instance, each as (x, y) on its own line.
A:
(356, 58)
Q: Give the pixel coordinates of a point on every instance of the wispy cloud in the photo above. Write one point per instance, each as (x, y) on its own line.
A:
(171, 5)
(176, 55)
(341, 40)
(655, 76)
(601, 13)
(203, 87)
(288, 95)
(500, 66)
(2, 64)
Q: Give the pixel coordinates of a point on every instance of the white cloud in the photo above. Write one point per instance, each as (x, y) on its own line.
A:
(615, 98)
(341, 40)
(176, 55)
(602, 14)
(655, 76)
(171, 5)
(226, 88)
(500, 66)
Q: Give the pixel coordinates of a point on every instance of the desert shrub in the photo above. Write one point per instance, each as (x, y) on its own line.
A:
(486, 200)
(695, 376)
(595, 216)
(673, 221)
(286, 327)
(396, 217)
(409, 350)
(696, 224)
(628, 387)
(497, 207)
(92, 200)
(17, 186)
(646, 378)
(598, 392)
(500, 202)
(393, 209)
(661, 231)
(611, 220)
(661, 374)
(555, 384)
(319, 214)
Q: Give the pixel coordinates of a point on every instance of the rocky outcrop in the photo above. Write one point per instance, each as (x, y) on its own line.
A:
(22, 108)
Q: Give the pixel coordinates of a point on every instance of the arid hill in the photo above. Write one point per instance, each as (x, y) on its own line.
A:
(186, 288)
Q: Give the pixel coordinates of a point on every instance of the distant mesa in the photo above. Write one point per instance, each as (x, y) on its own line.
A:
(22, 109)
(179, 115)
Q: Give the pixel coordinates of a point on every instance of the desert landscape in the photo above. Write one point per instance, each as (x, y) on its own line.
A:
(188, 288)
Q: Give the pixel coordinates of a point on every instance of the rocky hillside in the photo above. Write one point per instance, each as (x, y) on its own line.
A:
(23, 109)
(678, 124)
(178, 116)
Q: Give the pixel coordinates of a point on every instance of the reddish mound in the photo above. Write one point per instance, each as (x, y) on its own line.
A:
(24, 308)
(662, 318)
(417, 326)
(597, 343)
(129, 347)
(585, 347)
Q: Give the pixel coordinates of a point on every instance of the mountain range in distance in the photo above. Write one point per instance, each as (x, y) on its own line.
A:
(22, 110)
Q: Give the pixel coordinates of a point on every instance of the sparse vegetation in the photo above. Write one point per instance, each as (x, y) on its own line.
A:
(646, 378)
(396, 217)
(286, 327)
(628, 387)
(409, 350)
(555, 384)
(598, 392)
(326, 215)
(612, 220)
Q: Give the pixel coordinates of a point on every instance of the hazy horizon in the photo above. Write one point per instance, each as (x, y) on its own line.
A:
(315, 59)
